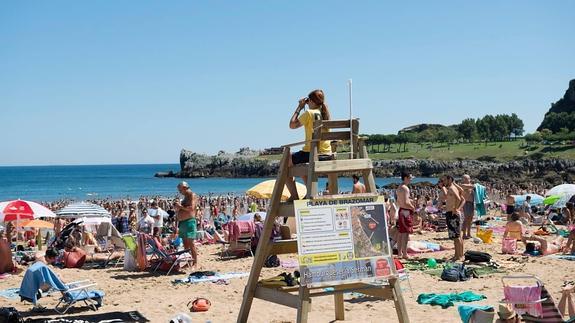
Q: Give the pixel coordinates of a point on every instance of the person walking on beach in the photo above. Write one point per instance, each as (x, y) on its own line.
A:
(358, 187)
(453, 206)
(405, 216)
(467, 192)
(318, 110)
(154, 212)
(525, 210)
(186, 218)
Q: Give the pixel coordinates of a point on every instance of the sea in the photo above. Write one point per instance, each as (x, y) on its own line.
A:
(88, 182)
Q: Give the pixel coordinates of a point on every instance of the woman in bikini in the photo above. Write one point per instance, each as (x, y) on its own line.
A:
(514, 228)
(555, 246)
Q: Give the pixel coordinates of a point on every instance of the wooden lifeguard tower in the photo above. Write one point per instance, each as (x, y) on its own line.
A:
(299, 297)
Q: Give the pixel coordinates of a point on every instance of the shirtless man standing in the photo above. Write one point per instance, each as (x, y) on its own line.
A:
(186, 218)
(467, 192)
(453, 206)
(358, 187)
(405, 216)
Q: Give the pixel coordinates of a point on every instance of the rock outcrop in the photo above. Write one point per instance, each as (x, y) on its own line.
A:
(561, 114)
(240, 164)
(245, 164)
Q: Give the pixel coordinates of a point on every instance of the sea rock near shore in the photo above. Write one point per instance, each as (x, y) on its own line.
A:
(240, 164)
(246, 164)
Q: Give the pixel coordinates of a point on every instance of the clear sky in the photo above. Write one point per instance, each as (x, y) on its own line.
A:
(92, 82)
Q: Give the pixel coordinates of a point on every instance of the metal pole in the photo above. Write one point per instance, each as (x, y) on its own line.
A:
(349, 82)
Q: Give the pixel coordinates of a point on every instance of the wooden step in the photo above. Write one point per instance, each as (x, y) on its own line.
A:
(281, 247)
(286, 209)
(343, 166)
(298, 170)
(277, 296)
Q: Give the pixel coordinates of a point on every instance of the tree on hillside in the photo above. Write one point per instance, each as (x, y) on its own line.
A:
(516, 125)
(405, 138)
(427, 135)
(468, 129)
(499, 127)
(531, 138)
(447, 135)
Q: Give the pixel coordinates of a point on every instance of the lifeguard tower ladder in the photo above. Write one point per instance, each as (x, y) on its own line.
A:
(300, 297)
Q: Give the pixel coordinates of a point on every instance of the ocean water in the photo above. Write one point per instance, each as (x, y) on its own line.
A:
(49, 183)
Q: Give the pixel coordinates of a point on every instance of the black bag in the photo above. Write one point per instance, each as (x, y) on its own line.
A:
(455, 273)
(477, 256)
(272, 261)
(9, 315)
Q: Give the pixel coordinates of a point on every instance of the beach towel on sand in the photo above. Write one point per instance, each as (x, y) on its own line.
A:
(213, 278)
(35, 276)
(446, 300)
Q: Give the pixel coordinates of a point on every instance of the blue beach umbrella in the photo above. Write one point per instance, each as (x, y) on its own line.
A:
(535, 199)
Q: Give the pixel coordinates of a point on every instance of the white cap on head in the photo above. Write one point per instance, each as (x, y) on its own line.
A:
(184, 184)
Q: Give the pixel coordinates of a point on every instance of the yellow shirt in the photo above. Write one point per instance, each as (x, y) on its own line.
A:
(306, 119)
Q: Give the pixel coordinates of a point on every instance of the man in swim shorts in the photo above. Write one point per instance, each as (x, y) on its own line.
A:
(405, 215)
(454, 204)
(186, 217)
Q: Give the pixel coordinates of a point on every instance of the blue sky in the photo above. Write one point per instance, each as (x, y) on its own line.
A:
(91, 82)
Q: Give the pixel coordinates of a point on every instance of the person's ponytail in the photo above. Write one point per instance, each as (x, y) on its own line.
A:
(318, 98)
(325, 112)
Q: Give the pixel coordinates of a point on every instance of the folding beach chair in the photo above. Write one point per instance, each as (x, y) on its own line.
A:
(111, 240)
(240, 239)
(39, 275)
(163, 257)
(533, 302)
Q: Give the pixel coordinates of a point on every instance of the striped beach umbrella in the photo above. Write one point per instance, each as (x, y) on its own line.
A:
(82, 210)
(23, 210)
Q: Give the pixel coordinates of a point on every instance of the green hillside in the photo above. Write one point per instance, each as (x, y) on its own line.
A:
(499, 151)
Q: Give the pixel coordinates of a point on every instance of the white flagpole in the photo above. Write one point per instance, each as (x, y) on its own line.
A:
(349, 83)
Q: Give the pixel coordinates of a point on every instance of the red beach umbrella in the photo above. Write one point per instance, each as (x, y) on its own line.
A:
(23, 210)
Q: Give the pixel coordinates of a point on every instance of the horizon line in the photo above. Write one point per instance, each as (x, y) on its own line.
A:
(104, 164)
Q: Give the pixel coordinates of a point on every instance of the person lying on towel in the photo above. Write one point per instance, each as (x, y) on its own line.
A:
(540, 246)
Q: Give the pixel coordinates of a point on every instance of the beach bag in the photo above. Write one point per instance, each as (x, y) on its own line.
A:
(9, 315)
(485, 235)
(455, 273)
(272, 261)
(509, 246)
(477, 256)
(129, 261)
(74, 259)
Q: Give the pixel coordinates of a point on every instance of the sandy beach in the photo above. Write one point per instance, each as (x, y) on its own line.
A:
(158, 299)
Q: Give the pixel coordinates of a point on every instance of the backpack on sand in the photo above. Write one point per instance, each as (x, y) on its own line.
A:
(477, 256)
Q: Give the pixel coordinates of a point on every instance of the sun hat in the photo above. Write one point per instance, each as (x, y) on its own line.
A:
(505, 312)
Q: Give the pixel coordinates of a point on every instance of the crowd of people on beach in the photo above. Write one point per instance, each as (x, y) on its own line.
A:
(187, 220)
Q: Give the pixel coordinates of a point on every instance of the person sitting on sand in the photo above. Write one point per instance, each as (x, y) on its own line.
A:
(49, 257)
(259, 228)
(318, 110)
(514, 228)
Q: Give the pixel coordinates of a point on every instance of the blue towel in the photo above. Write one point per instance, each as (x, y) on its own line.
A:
(78, 295)
(216, 277)
(37, 275)
(465, 311)
(10, 293)
(480, 195)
